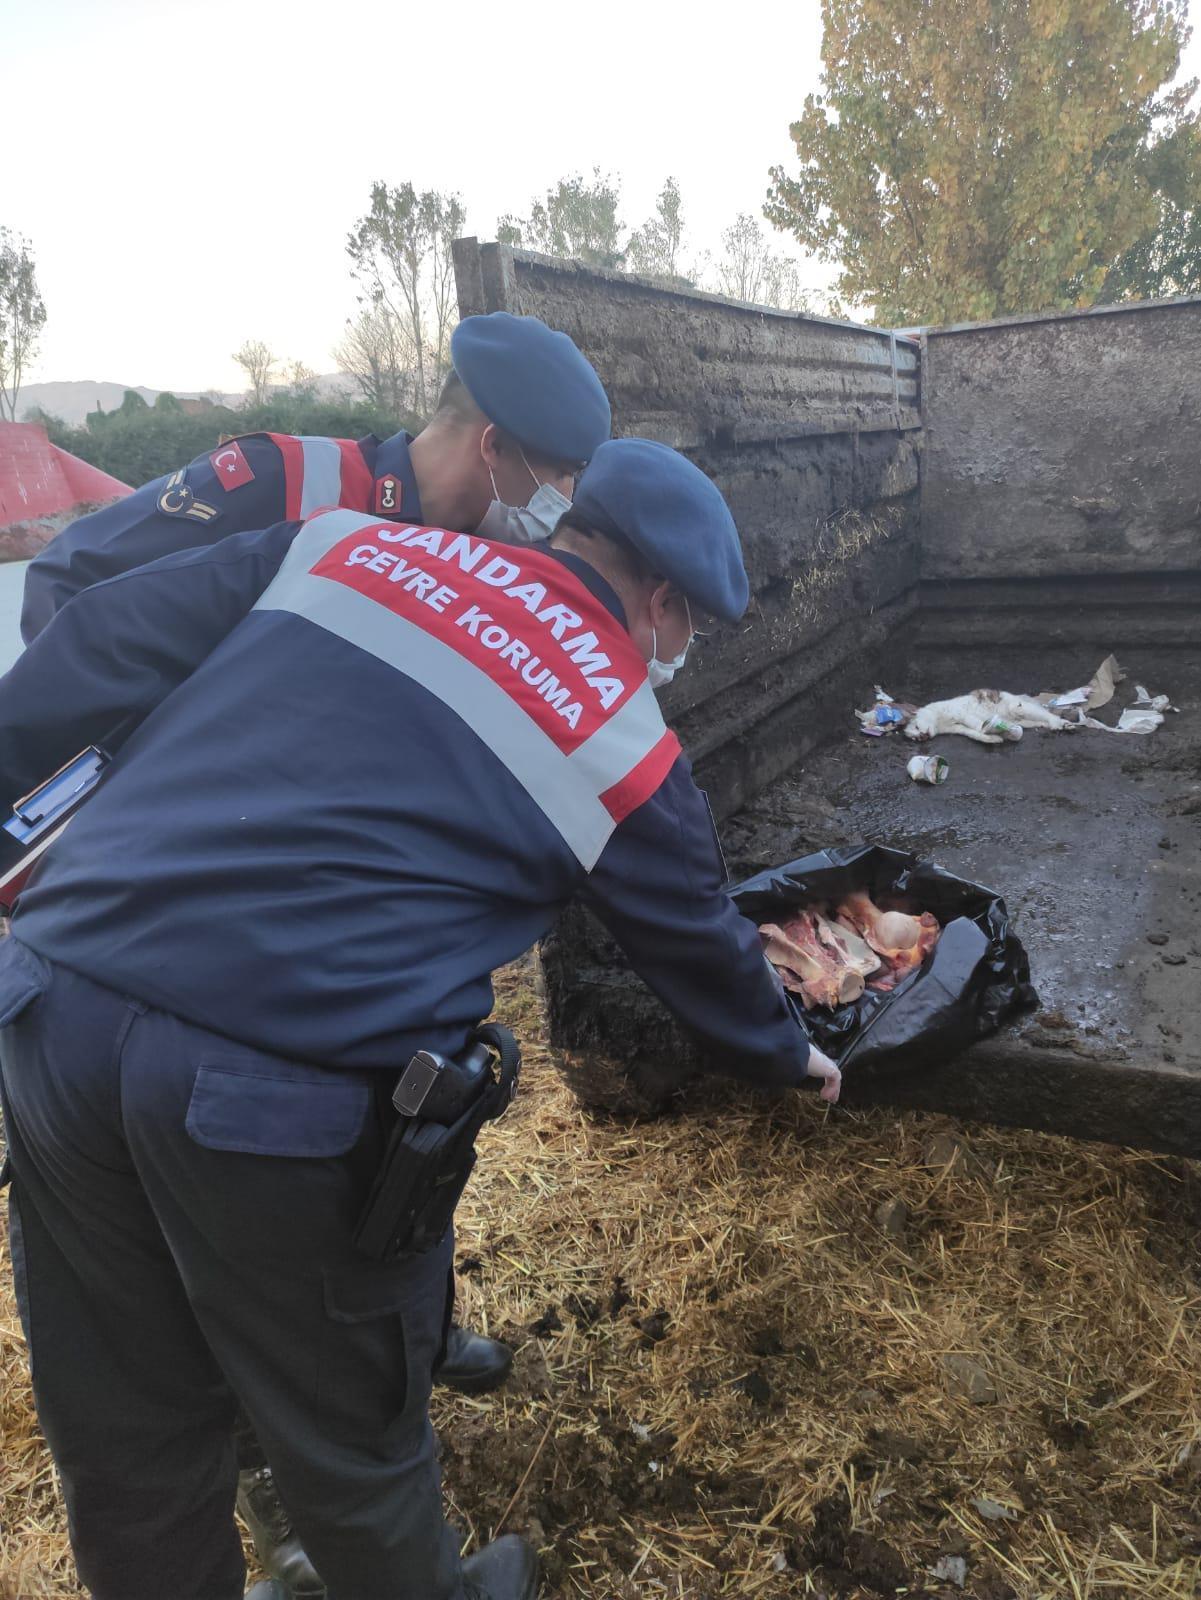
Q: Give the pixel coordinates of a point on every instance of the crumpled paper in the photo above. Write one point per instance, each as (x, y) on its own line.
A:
(1144, 716)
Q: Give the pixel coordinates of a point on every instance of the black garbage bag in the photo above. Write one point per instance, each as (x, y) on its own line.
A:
(976, 977)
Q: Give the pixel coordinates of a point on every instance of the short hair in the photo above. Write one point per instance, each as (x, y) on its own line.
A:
(632, 562)
(456, 398)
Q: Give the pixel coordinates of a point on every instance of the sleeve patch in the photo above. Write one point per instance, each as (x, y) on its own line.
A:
(230, 466)
(177, 500)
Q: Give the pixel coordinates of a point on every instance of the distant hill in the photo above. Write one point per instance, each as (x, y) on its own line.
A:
(73, 401)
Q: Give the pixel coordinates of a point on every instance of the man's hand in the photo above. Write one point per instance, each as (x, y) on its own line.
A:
(820, 1066)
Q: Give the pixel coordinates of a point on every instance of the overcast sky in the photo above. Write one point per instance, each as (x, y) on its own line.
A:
(188, 172)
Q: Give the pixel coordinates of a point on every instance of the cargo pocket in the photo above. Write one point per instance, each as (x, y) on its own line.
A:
(363, 1374)
(262, 1105)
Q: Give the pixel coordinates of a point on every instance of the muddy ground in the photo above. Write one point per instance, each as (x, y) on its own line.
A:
(1092, 838)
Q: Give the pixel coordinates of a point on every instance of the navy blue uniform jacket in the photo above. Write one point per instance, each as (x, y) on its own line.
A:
(370, 763)
(250, 482)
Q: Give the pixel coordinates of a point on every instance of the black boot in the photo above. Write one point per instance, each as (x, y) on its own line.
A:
(473, 1364)
(506, 1569)
(277, 1546)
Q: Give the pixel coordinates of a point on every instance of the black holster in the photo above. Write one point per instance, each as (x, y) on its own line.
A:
(430, 1156)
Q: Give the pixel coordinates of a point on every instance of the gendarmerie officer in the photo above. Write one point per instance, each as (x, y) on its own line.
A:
(372, 763)
(521, 413)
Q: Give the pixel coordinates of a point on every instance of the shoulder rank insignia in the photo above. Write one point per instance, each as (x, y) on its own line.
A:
(389, 492)
(177, 500)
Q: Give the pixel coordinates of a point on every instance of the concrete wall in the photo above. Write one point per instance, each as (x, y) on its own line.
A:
(1064, 446)
(812, 430)
(1060, 504)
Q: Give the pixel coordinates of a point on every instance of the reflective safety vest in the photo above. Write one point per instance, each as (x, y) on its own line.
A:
(318, 472)
(510, 641)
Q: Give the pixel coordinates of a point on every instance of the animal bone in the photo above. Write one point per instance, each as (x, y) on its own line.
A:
(846, 946)
(806, 966)
(901, 941)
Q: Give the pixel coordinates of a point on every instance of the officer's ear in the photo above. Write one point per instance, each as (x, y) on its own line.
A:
(491, 446)
(661, 600)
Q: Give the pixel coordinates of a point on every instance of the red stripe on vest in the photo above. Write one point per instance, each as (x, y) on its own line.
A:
(642, 781)
(292, 452)
(358, 484)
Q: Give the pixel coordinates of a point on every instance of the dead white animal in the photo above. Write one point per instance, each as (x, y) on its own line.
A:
(970, 714)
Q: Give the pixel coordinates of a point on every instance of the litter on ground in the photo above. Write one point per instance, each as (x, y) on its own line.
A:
(994, 716)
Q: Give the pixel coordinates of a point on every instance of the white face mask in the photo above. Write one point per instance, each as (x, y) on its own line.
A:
(527, 524)
(659, 672)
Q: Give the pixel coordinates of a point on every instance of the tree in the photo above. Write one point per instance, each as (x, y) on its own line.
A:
(654, 249)
(301, 381)
(1167, 259)
(577, 219)
(750, 270)
(740, 270)
(400, 253)
(782, 283)
(259, 365)
(374, 353)
(22, 317)
(984, 158)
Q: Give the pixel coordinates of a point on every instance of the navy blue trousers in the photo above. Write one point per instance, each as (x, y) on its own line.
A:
(181, 1216)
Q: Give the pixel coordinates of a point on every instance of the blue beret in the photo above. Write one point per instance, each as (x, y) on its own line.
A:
(673, 515)
(533, 383)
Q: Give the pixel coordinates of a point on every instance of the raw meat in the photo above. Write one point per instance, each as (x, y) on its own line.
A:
(901, 941)
(846, 946)
(828, 955)
(806, 965)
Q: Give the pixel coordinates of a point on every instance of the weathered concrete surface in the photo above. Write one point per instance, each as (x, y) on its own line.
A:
(691, 368)
(1105, 613)
(1064, 445)
(1092, 838)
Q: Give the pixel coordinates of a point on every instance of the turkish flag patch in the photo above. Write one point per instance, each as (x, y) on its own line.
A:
(231, 466)
(389, 492)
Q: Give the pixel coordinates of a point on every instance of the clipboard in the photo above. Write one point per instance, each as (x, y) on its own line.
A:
(40, 816)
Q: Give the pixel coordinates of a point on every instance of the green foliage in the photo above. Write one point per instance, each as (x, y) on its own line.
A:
(653, 250)
(983, 158)
(139, 442)
(22, 317)
(1167, 259)
(576, 218)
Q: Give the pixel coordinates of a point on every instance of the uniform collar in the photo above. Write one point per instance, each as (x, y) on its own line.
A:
(394, 492)
(597, 586)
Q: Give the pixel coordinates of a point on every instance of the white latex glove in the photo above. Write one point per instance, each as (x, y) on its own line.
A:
(820, 1066)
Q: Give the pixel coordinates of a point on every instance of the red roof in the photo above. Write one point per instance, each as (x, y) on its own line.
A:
(37, 479)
